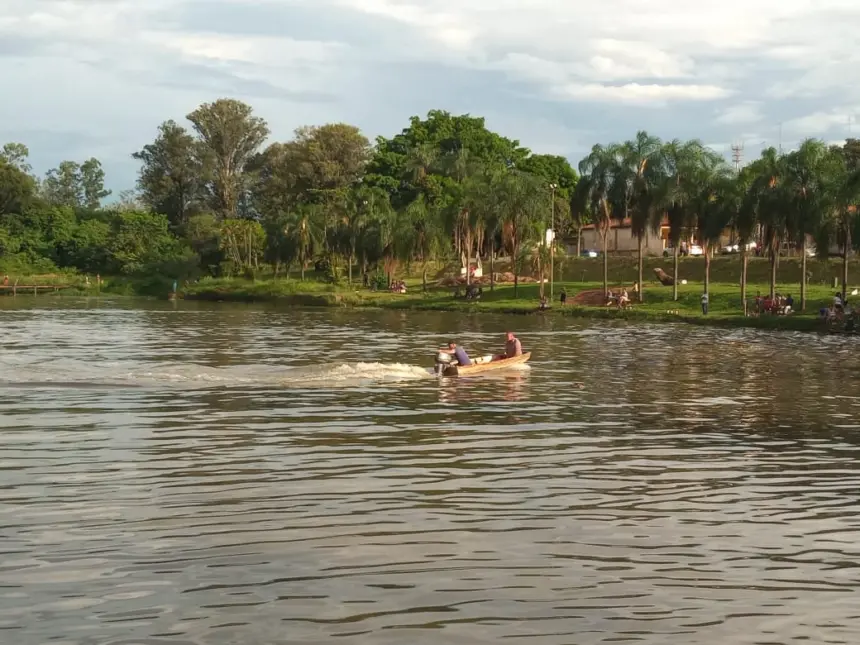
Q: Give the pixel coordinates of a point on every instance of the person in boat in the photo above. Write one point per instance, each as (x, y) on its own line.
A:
(513, 347)
(459, 353)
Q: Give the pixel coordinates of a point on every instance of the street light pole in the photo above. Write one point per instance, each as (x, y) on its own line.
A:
(552, 247)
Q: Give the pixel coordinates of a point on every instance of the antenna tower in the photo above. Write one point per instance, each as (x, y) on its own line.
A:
(737, 155)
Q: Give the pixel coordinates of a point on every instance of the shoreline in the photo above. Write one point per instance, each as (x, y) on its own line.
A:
(795, 323)
(316, 294)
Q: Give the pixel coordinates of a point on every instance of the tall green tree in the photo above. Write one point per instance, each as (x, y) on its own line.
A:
(93, 183)
(62, 186)
(75, 185)
(173, 174)
(714, 211)
(688, 167)
(810, 175)
(767, 191)
(841, 221)
(17, 155)
(522, 206)
(417, 159)
(364, 206)
(231, 135)
(595, 191)
(639, 177)
(17, 188)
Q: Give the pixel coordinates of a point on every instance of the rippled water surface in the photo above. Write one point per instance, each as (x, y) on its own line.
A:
(176, 475)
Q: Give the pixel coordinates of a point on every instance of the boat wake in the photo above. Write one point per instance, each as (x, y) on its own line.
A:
(201, 376)
(356, 373)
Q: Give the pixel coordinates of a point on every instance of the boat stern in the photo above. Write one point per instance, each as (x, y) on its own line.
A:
(445, 365)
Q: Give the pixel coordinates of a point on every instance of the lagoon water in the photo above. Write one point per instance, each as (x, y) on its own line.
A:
(178, 474)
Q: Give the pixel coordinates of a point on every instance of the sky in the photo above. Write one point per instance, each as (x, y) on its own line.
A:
(83, 78)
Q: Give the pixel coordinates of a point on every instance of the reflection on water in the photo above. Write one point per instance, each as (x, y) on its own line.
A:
(198, 475)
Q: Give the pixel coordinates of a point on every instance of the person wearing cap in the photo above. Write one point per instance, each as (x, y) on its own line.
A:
(459, 353)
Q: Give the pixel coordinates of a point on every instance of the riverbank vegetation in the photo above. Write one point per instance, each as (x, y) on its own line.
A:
(215, 201)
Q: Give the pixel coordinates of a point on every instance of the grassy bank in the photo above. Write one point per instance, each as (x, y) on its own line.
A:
(725, 304)
(575, 275)
(70, 283)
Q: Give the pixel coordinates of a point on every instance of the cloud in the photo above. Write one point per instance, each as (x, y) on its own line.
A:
(822, 122)
(643, 94)
(741, 114)
(559, 76)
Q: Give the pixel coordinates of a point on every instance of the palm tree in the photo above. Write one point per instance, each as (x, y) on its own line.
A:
(419, 162)
(742, 220)
(770, 207)
(639, 176)
(843, 216)
(594, 192)
(463, 178)
(688, 166)
(306, 227)
(806, 195)
(360, 204)
(520, 199)
(420, 235)
(715, 210)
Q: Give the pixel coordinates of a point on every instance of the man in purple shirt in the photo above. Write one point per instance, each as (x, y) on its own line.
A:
(459, 353)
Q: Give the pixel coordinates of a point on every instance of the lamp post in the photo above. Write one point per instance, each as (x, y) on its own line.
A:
(552, 246)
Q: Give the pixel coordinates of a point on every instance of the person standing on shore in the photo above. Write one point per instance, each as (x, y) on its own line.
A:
(705, 303)
(563, 297)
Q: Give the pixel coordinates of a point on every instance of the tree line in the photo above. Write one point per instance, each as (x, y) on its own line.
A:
(778, 203)
(212, 198)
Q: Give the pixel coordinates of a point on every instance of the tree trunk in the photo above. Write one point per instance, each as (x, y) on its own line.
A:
(277, 268)
(515, 267)
(351, 262)
(303, 270)
(641, 286)
(605, 265)
(773, 256)
(424, 278)
(845, 247)
(675, 273)
(492, 266)
(707, 253)
(744, 265)
(803, 274)
(578, 241)
(540, 278)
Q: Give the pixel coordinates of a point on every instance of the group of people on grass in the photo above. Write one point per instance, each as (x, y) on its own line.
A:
(838, 310)
(779, 305)
(620, 300)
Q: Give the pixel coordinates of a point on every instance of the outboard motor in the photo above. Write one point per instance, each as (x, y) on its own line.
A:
(443, 360)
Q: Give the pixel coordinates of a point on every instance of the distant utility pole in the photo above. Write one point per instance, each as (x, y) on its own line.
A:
(737, 155)
(780, 138)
